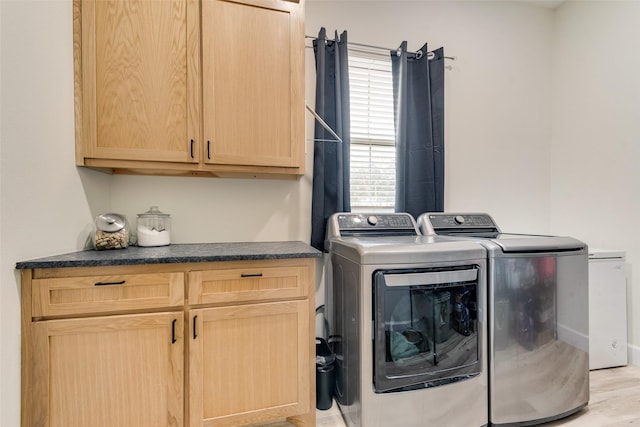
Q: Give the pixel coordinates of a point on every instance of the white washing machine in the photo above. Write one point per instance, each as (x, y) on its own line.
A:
(607, 309)
(407, 324)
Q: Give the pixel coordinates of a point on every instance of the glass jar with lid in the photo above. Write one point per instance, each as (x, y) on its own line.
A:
(111, 231)
(154, 228)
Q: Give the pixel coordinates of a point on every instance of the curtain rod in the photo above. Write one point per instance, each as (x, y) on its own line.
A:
(418, 54)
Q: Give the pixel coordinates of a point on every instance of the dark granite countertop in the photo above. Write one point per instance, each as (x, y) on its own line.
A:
(177, 253)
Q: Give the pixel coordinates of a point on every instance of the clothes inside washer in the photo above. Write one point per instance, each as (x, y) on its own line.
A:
(401, 348)
(408, 326)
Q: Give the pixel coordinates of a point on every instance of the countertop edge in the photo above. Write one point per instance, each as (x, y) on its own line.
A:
(174, 254)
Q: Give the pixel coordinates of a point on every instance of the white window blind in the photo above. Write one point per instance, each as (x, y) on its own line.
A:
(373, 158)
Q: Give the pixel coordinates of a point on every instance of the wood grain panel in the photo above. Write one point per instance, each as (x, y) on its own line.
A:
(112, 371)
(163, 89)
(117, 370)
(26, 342)
(250, 363)
(250, 120)
(247, 284)
(89, 294)
(222, 282)
(141, 80)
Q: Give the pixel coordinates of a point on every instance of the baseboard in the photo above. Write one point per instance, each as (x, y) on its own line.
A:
(634, 354)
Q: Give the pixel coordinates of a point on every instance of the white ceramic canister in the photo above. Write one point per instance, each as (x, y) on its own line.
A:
(153, 228)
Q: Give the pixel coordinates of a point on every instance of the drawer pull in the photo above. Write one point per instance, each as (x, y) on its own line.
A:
(173, 331)
(195, 335)
(121, 282)
(251, 275)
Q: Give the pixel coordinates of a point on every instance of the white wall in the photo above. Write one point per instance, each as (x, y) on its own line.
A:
(1, 269)
(596, 133)
(498, 93)
(498, 159)
(220, 210)
(46, 202)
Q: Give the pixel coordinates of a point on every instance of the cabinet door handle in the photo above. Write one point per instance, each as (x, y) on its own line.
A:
(121, 282)
(251, 275)
(195, 335)
(209, 150)
(191, 149)
(173, 331)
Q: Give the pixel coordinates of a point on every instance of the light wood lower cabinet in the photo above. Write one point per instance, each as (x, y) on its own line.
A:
(124, 371)
(208, 344)
(248, 363)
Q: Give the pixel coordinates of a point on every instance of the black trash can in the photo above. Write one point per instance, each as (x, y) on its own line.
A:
(325, 374)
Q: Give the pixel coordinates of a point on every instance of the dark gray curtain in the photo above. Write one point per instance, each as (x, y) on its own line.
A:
(330, 158)
(418, 91)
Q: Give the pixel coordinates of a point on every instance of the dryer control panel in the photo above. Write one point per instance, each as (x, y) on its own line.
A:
(456, 223)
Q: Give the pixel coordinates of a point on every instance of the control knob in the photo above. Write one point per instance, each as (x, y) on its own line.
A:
(459, 219)
(372, 220)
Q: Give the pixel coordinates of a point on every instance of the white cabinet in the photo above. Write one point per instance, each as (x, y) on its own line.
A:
(607, 309)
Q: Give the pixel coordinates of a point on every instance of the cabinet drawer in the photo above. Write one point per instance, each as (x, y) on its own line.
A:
(98, 294)
(250, 281)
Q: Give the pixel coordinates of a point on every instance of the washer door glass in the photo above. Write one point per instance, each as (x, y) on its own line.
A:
(425, 327)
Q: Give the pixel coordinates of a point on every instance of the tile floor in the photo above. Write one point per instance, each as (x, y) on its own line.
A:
(614, 402)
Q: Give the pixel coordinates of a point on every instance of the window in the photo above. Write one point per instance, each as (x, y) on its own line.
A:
(373, 157)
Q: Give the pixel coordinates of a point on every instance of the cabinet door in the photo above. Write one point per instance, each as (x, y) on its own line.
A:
(139, 94)
(124, 371)
(248, 363)
(253, 82)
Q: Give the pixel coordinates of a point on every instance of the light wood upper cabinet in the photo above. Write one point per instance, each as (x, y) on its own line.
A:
(136, 97)
(190, 87)
(252, 80)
